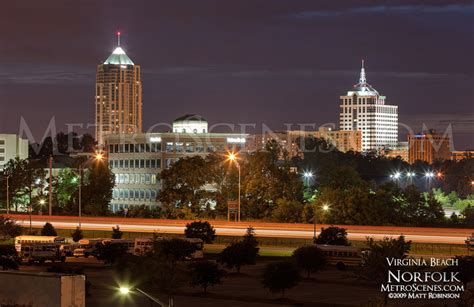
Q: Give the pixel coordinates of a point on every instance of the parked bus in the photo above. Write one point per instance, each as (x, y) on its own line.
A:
(89, 245)
(129, 243)
(41, 252)
(20, 240)
(143, 245)
(341, 255)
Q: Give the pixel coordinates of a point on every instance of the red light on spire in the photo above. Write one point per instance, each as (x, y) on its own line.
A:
(118, 38)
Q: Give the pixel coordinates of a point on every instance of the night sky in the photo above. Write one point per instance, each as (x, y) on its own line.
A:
(271, 62)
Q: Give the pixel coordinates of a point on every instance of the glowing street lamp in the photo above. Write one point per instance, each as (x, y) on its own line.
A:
(127, 291)
(429, 175)
(124, 290)
(233, 159)
(325, 208)
(308, 175)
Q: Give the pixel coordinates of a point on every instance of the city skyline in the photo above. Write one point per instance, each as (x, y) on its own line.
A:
(294, 78)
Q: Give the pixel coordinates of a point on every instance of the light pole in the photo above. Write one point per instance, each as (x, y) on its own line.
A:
(325, 208)
(97, 157)
(126, 290)
(8, 195)
(233, 158)
(50, 211)
(30, 209)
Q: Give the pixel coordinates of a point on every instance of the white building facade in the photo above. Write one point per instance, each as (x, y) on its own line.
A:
(137, 159)
(364, 109)
(12, 146)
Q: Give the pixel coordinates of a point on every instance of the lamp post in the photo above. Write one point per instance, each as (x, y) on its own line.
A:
(325, 208)
(8, 195)
(97, 157)
(50, 209)
(126, 291)
(30, 209)
(233, 158)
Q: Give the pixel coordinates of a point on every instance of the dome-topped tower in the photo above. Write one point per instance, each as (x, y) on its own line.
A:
(364, 109)
(118, 100)
(363, 88)
(119, 57)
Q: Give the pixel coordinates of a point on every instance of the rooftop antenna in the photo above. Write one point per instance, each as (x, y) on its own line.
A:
(362, 78)
(118, 38)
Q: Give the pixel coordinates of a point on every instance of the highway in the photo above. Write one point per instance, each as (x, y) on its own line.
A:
(224, 228)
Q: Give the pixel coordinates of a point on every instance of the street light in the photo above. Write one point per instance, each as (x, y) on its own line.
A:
(126, 291)
(325, 208)
(429, 174)
(410, 174)
(8, 194)
(97, 157)
(233, 159)
(308, 175)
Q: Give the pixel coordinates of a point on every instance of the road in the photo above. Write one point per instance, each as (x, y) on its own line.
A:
(224, 228)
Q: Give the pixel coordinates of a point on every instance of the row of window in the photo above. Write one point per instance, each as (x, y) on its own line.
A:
(136, 178)
(135, 194)
(135, 163)
(143, 147)
(169, 147)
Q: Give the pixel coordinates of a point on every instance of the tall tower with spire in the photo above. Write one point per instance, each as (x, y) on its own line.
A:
(364, 109)
(118, 99)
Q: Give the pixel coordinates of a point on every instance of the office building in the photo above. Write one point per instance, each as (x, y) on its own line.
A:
(428, 147)
(364, 109)
(12, 146)
(118, 99)
(459, 155)
(137, 160)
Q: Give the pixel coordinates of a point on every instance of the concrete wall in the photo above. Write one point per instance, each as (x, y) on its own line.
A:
(42, 289)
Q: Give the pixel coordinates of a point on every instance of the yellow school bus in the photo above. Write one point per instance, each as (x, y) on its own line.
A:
(341, 256)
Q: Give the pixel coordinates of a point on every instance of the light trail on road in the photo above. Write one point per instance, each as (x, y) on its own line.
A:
(240, 231)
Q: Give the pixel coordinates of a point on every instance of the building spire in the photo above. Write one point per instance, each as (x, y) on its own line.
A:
(118, 38)
(362, 78)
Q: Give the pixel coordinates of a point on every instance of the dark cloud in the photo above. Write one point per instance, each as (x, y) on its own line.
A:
(273, 61)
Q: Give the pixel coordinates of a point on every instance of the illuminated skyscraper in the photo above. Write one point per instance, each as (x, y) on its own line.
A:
(364, 109)
(118, 96)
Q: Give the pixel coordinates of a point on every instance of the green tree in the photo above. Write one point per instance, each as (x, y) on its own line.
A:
(8, 258)
(26, 178)
(205, 273)
(48, 230)
(110, 253)
(200, 230)
(465, 269)
(421, 209)
(238, 254)
(97, 189)
(9, 228)
(376, 266)
(333, 236)
(65, 188)
(116, 232)
(287, 211)
(249, 237)
(280, 276)
(174, 249)
(264, 181)
(310, 258)
(77, 234)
